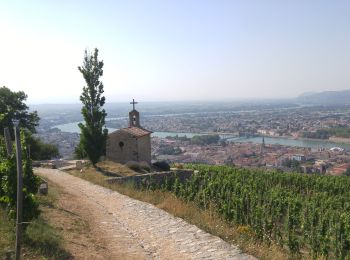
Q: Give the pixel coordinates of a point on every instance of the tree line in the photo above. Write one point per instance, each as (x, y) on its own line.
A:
(197, 139)
(325, 133)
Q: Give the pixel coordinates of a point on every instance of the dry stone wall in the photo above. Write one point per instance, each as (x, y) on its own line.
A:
(157, 178)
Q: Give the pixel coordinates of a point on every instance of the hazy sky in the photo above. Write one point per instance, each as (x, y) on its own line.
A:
(176, 50)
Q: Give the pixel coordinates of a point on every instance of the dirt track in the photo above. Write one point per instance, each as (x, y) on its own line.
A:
(129, 229)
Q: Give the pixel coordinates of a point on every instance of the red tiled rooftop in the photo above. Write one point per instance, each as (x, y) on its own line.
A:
(136, 131)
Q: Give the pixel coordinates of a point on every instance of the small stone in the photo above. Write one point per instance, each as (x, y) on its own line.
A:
(43, 188)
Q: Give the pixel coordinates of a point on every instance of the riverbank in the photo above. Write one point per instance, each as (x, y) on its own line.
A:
(332, 141)
(339, 140)
(286, 141)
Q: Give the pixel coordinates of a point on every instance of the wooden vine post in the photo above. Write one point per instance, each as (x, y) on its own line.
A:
(19, 193)
(19, 184)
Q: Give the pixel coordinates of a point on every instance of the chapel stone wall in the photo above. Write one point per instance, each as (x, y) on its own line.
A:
(121, 147)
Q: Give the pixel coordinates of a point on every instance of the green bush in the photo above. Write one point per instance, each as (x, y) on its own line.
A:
(8, 183)
(40, 150)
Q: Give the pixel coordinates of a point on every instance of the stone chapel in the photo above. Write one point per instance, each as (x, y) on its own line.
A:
(130, 144)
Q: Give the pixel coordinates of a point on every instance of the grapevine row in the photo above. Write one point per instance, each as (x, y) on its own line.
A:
(300, 212)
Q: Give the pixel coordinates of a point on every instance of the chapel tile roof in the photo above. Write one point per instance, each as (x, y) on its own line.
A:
(136, 131)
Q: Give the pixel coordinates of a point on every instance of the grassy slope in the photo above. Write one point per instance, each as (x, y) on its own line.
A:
(112, 169)
(41, 240)
(6, 234)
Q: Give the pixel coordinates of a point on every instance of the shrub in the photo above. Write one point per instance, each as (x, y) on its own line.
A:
(162, 166)
(40, 150)
(8, 183)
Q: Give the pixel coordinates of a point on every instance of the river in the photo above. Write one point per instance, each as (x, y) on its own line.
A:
(73, 128)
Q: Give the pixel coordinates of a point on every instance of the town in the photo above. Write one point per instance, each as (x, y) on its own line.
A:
(334, 161)
(286, 122)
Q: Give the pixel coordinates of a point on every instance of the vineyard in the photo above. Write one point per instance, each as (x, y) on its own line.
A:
(304, 213)
(8, 182)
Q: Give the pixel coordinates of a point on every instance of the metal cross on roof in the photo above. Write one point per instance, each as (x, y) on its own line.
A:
(133, 103)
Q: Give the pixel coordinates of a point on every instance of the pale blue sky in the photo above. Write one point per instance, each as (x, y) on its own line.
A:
(176, 50)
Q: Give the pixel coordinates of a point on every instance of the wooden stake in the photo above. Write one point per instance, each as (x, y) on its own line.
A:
(8, 141)
(19, 193)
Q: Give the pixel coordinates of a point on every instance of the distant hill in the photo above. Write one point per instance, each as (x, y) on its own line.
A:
(306, 94)
(326, 97)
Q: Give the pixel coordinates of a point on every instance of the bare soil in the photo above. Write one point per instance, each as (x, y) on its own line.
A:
(81, 238)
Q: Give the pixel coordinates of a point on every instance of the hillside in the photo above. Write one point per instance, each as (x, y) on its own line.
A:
(325, 98)
(308, 214)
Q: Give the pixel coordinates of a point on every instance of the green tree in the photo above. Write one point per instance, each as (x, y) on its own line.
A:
(205, 139)
(93, 133)
(79, 152)
(40, 150)
(12, 107)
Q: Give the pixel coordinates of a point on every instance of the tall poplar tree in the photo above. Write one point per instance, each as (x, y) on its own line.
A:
(93, 132)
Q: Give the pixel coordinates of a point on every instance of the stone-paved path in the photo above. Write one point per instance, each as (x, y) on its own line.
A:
(138, 230)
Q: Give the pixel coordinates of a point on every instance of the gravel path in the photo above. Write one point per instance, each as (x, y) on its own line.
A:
(138, 230)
